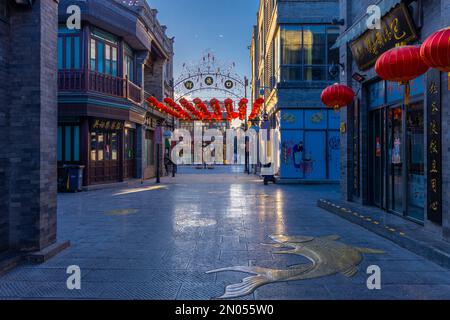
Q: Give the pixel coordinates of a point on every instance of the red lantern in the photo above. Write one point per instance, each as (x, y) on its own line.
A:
(401, 64)
(337, 96)
(435, 51)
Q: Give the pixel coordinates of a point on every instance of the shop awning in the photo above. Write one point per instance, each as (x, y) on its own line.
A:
(360, 26)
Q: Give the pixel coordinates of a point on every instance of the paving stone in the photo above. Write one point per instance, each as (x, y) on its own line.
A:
(148, 256)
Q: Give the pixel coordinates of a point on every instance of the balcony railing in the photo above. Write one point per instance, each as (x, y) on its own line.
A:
(76, 80)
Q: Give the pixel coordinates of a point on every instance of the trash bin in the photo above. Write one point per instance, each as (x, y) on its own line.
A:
(74, 178)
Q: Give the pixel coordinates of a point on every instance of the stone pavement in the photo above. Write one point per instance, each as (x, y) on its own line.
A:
(157, 242)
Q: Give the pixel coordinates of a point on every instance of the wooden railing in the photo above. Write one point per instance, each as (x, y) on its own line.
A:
(134, 93)
(75, 80)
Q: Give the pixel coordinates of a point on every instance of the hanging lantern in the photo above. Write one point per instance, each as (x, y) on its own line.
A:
(401, 64)
(435, 51)
(337, 96)
(243, 109)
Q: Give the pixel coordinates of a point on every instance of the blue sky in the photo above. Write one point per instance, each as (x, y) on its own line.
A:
(225, 26)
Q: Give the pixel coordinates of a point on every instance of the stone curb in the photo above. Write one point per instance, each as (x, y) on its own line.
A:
(427, 250)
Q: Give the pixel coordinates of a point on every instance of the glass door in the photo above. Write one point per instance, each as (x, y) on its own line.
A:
(377, 158)
(395, 160)
(415, 161)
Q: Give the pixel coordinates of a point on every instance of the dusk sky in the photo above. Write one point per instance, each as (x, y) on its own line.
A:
(223, 26)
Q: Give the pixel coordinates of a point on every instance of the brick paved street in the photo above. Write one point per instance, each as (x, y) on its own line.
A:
(157, 242)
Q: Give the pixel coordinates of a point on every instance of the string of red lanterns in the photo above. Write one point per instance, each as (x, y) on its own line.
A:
(188, 112)
(256, 109)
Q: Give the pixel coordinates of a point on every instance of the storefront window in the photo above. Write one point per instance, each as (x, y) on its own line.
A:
(93, 146)
(114, 146)
(416, 161)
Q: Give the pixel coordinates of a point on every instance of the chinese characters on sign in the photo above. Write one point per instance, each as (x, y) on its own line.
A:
(396, 27)
(434, 147)
(107, 125)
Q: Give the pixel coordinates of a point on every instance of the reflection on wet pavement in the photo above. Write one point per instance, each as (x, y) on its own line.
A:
(158, 242)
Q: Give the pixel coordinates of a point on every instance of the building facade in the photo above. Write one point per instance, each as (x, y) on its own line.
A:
(106, 70)
(394, 157)
(291, 63)
(28, 121)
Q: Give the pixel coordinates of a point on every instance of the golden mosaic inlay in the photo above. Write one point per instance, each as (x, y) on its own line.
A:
(327, 255)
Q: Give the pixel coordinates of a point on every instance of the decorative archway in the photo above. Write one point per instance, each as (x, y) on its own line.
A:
(209, 75)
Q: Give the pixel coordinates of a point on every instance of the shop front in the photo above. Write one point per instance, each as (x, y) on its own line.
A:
(396, 149)
(106, 148)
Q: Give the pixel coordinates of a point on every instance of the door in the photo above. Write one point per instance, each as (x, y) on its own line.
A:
(334, 155)
(376, 174)
(415, 140)
(395, 160)
(104, 157)
(129, 154)
(314, 157)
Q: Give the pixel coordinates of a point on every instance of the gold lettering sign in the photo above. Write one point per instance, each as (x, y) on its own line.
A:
(397, 26)
(107, 125)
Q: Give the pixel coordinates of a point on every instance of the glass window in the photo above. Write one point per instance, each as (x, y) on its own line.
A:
(416, 161)
(316, 73)
(107, 59)
(100, 146)
(305, 54)
(76, 52)
(333, 54)
(114, 146)
(93, 54)
(68, 53)
(114, 61)
(93, 146)
(314, 44)
(100, 48)
(291, 40)
(128, 67)
(376, 94)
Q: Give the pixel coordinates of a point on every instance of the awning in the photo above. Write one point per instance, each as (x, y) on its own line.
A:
(360, 26)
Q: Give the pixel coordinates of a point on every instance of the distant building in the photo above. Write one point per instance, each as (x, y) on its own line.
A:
(396, 158)
(291, 59)
(120, 56)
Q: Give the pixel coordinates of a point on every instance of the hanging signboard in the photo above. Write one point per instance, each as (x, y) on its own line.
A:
(396, 27)
(434, 143)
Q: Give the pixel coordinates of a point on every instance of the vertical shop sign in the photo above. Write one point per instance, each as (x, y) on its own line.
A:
(434, 143)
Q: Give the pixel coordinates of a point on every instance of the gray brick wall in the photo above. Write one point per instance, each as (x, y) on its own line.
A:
(30, 183)
(4, 56)
(154, 79)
